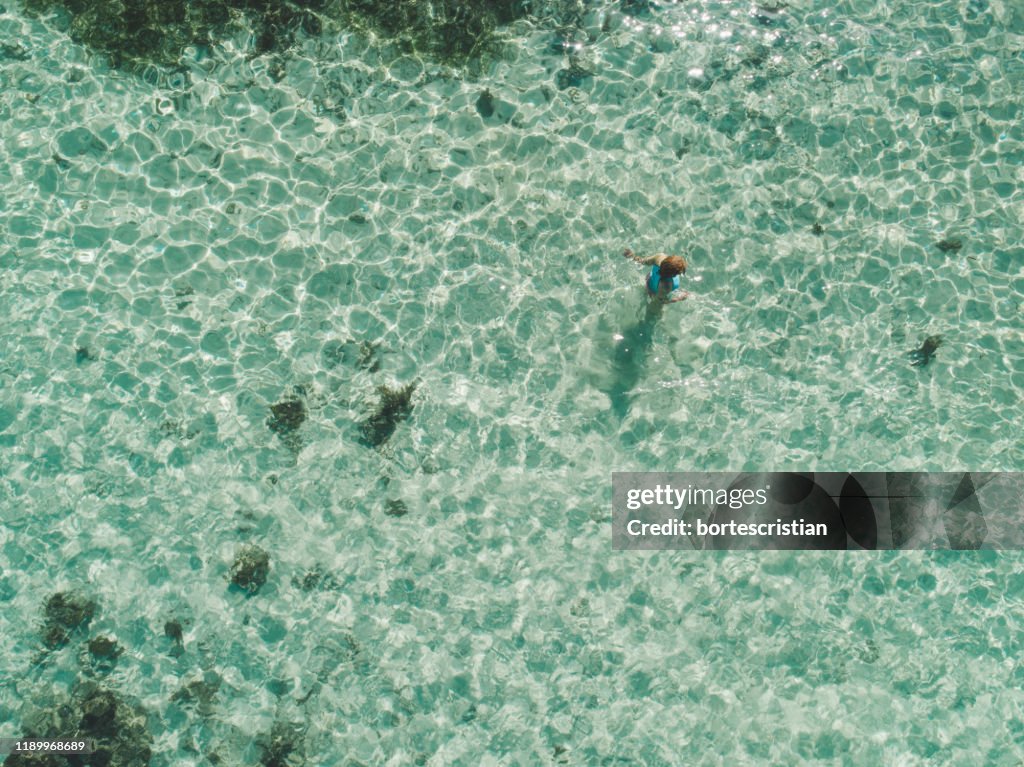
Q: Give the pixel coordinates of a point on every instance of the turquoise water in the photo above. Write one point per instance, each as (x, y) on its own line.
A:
(181, 252)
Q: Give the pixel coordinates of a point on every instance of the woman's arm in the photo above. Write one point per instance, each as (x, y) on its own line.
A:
(643, 261)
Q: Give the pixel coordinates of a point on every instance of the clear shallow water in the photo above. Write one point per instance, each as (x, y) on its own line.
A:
(218, 243)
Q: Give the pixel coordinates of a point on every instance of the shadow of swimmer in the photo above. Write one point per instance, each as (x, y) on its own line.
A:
(630, 351)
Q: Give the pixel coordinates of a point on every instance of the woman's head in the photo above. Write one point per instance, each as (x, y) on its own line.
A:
(672, 266)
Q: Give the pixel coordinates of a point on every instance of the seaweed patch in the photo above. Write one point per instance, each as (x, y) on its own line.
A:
(485, 104)
(104, 647)
(921, 357)
(200, 692)
(173, 631)
(315, 578)
(282, 746)
(134, 33)
(448, 31)
(84, 354)
(137, 33)
(285, 419)
(102, 654)
(116, 727)
(395, 406)
(250, 568)
(360, 354)
(184, 296)
(65, 613)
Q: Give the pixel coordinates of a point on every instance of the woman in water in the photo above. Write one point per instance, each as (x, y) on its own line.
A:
(633, 342)
(663, 280)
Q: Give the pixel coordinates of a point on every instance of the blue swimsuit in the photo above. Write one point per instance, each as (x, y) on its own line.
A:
(654, 280)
